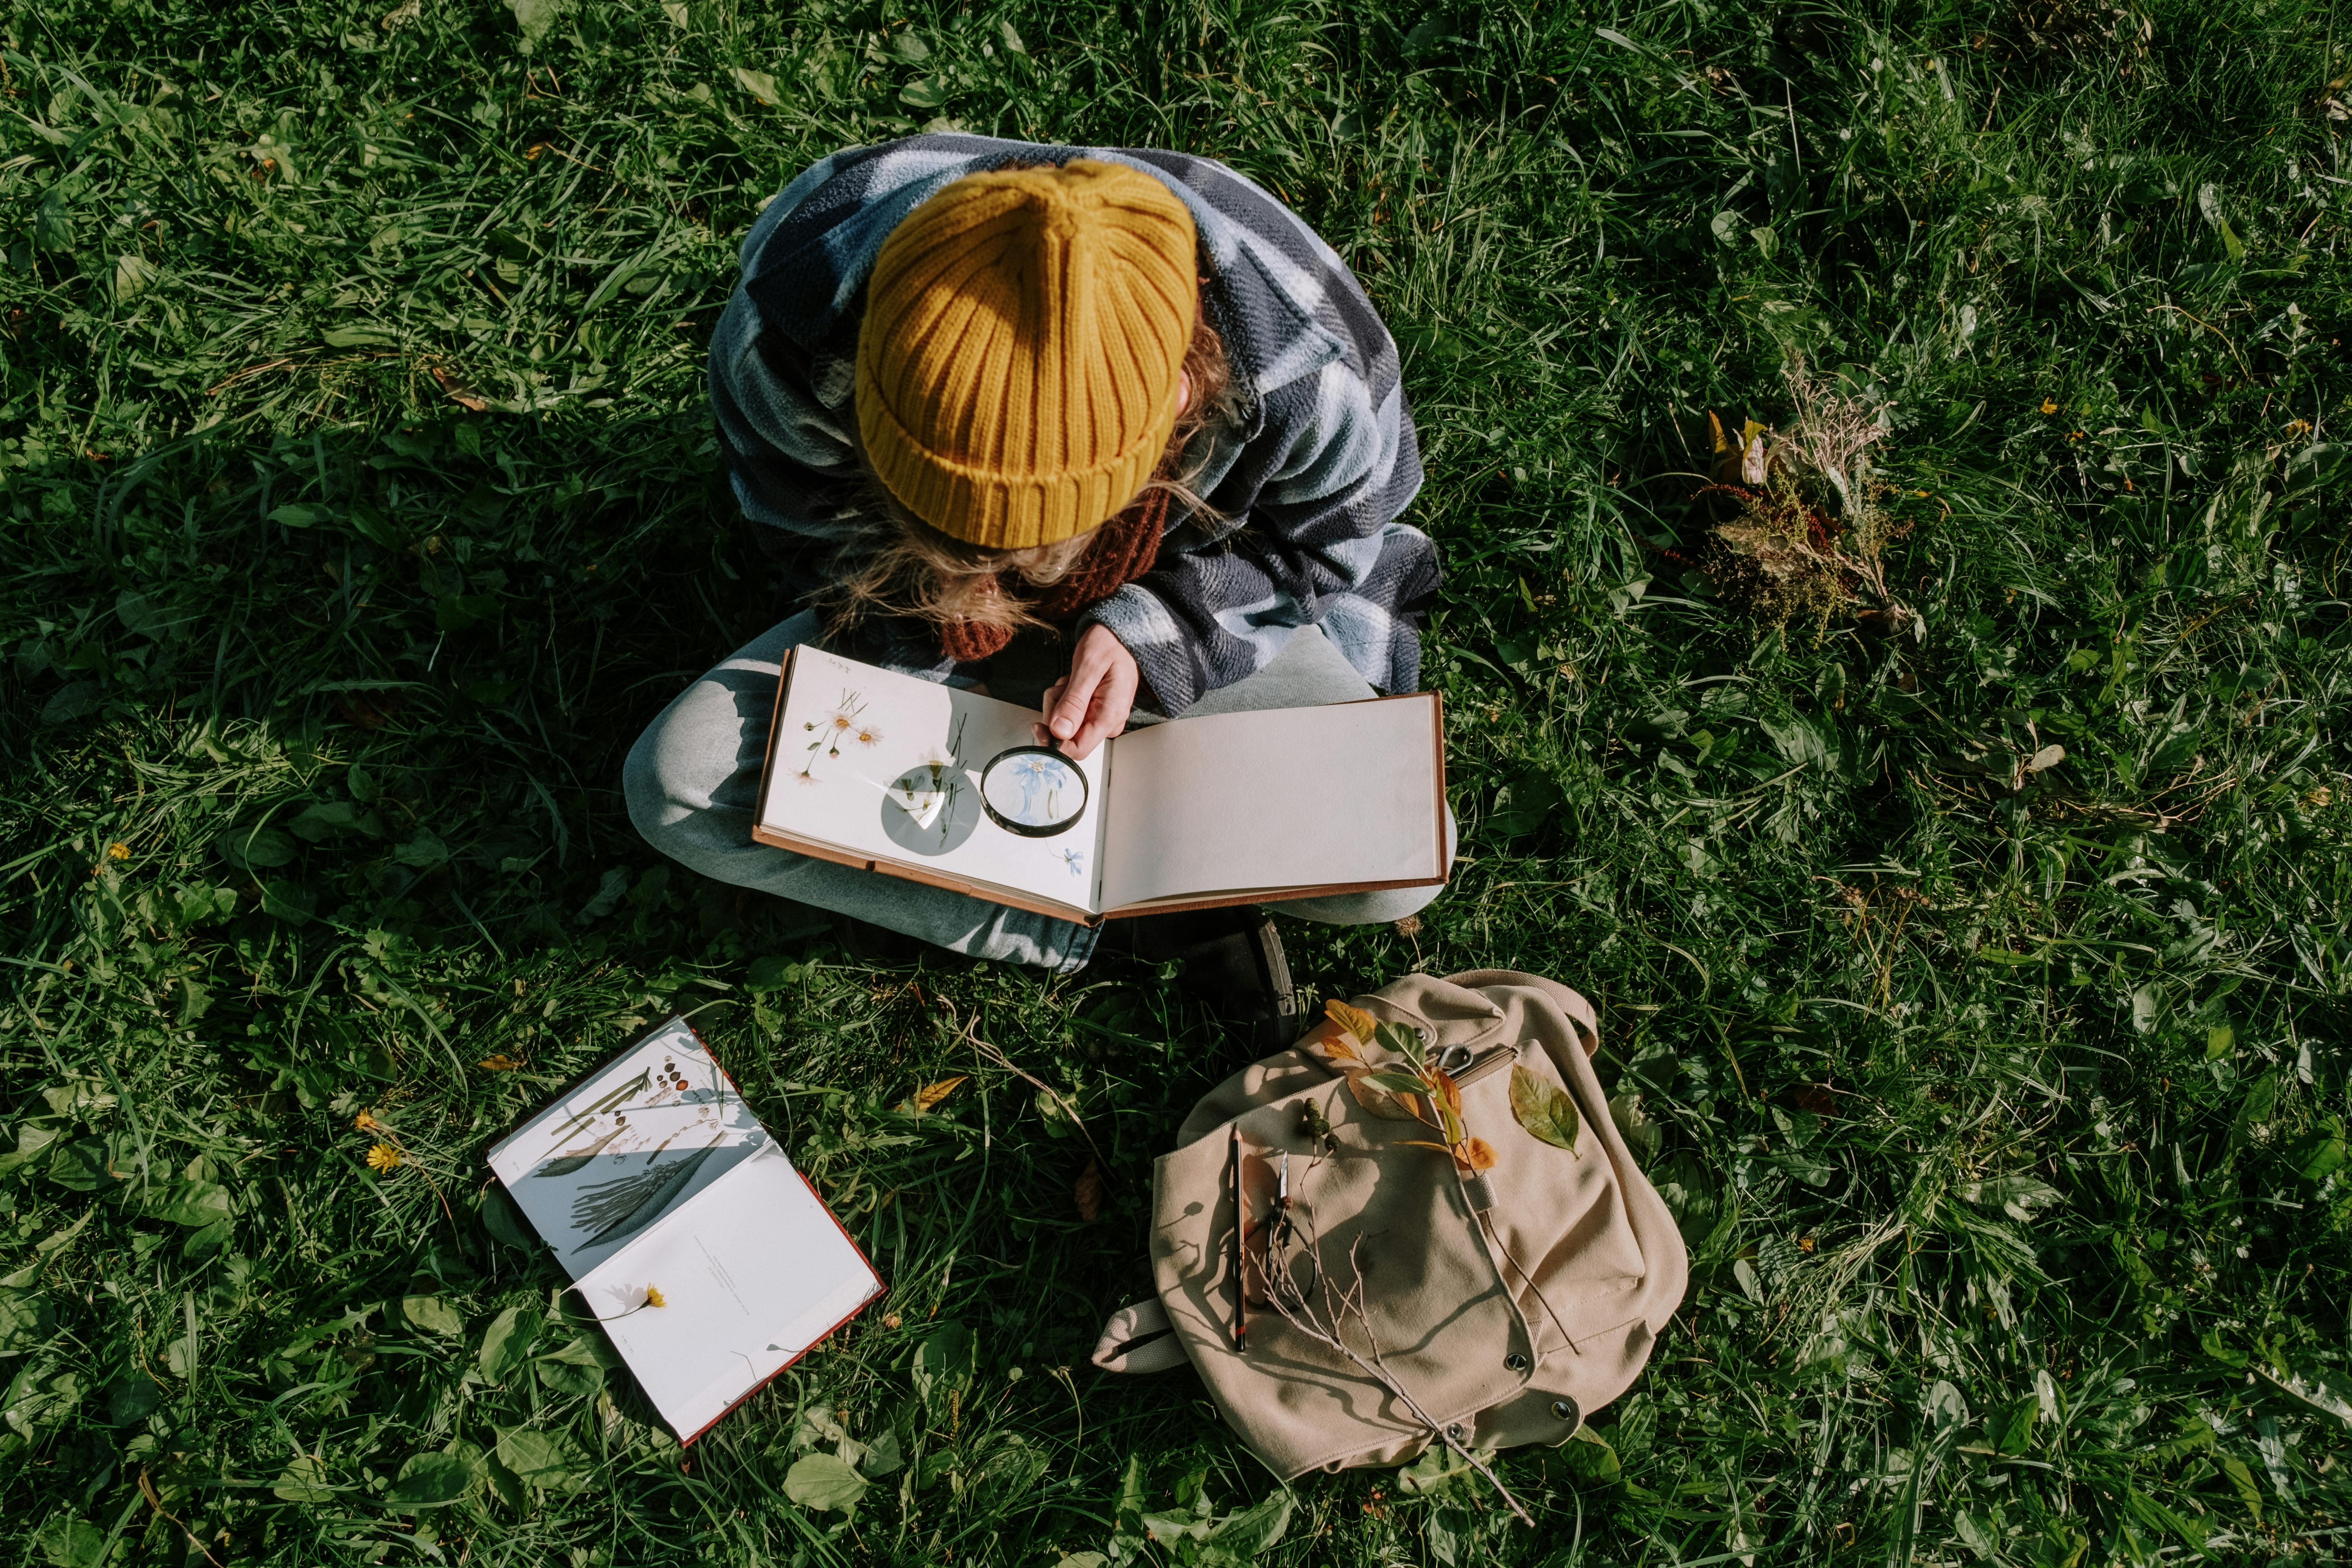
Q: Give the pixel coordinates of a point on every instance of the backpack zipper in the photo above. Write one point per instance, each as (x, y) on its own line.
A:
(1481, 1064)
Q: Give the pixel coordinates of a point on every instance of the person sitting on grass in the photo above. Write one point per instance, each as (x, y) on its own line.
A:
(978, 395)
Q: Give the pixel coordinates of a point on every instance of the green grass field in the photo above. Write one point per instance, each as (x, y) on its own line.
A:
(360, 505)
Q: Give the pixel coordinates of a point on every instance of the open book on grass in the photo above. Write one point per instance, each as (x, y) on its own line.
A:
(882, 771)
(711, 1262)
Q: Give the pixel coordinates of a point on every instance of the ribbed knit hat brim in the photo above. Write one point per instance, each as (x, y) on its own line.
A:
(1021, 358)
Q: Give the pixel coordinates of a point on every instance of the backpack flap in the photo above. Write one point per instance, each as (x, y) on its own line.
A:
(1592, 1256)
(1385, 1297)
(1400, 1294)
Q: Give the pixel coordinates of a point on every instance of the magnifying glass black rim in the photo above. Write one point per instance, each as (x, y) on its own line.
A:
(1085, 791)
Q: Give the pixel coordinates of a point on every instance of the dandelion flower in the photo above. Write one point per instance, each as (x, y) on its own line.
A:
(383, 1157)
(1805, 1244)
(366, 1122)
(122, 851)
(2049, 405)
(654, 1297)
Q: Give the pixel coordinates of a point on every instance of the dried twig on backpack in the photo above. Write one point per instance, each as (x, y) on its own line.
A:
(1342, 1305)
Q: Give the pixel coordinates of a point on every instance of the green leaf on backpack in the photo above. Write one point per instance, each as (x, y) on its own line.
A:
(1381, 1103)
(1404, 1041)
(1544, 1109)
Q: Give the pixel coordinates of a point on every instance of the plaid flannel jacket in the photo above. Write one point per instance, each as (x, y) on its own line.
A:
(1308, 482)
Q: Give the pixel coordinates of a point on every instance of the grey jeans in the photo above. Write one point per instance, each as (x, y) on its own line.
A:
(694, 776)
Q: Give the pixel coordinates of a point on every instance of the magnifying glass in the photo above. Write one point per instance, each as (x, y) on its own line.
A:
(1033, 791)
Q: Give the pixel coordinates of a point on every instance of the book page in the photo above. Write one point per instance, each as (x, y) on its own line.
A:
(1337, 795)
(625, 1146)
(751, 1273)
(888, 766)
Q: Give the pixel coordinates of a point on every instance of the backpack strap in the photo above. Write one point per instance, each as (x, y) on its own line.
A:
(1140, 1338)
(1580, 1013)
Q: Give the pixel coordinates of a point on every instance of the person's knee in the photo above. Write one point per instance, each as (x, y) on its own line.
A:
(1362, 909)
(675, 771)
(1377, 908)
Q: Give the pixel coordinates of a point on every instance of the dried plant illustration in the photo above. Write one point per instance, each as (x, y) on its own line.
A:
(627, 1204)
(842, 724)
(614, 1097)
(572, 1160)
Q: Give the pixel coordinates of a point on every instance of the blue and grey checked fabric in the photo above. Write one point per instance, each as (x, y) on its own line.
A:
(1308, 480)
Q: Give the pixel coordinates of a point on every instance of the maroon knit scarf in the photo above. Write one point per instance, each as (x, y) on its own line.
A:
(1123, 550)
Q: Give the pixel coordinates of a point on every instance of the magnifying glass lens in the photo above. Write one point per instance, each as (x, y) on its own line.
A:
(1033, 791)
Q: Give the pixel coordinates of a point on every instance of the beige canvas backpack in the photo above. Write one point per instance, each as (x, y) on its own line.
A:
(1469, 1254)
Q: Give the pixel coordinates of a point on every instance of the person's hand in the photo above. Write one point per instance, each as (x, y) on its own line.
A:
(1091, 704)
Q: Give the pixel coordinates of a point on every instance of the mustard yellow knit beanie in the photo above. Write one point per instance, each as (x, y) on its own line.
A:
(1022, 349)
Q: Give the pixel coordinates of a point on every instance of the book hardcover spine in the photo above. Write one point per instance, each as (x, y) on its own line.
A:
(767, 762)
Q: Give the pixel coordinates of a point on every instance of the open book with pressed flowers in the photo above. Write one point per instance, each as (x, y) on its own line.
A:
(711, 1262)
(883, 771)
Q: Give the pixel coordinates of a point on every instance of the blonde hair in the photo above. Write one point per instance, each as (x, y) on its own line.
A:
(896, 564)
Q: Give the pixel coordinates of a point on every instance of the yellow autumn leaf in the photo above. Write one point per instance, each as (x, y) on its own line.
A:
(1355, 1020)
(1739, 460)
(1475, 1154)
(1722, 447)
(1451, 1091)
(930, 1094)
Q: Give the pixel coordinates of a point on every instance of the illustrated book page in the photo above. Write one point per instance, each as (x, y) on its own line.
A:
(631, 1144)
(751, 1272)
(882, 770)
(652, 1175)
(1348, 796)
